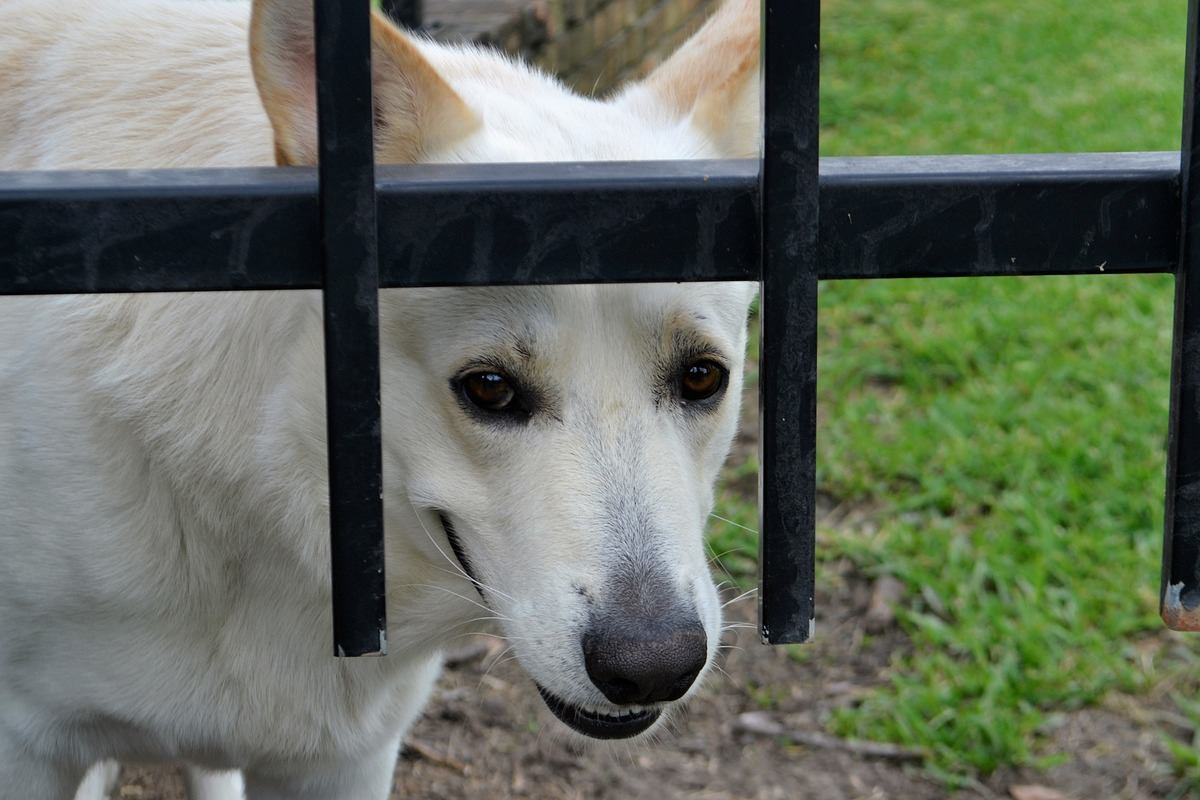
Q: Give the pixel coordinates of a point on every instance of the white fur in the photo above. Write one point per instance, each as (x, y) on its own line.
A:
(164, 591)
(100, 781)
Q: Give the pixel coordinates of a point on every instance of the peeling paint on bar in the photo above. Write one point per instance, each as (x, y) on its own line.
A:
(1175, 613)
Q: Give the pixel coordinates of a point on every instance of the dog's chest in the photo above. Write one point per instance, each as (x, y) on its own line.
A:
(255, 709)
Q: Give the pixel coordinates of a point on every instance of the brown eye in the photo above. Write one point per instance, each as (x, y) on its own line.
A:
(701, 380)
(491, 391)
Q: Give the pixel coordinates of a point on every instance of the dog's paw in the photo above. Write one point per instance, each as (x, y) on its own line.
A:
(206, 785)
(99, 782)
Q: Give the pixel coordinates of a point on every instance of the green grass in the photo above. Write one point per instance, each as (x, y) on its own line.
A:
(1009, 433)
(943, 76)
(1013, 432)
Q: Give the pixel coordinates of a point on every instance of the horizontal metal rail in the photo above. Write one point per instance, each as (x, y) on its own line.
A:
(963, 216)
(196, 230)
(439, 226)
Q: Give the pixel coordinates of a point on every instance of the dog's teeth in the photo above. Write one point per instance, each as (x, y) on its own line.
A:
(612, 713)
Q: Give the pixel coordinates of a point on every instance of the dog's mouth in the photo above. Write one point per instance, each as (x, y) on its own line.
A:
(459, 553)
(597, 724)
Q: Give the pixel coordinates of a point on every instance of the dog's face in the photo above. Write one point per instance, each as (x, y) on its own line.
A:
(563, 457)
(550, 452)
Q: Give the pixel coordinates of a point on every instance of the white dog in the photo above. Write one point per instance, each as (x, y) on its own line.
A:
(164, 571)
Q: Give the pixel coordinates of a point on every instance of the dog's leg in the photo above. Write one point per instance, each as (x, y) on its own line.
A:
(99, 782)
(367, 778)
(203, 784)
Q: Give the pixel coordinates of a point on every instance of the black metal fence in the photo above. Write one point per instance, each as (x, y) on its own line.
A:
(788, 221)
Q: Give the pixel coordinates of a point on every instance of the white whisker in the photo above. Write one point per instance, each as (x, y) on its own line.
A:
(721, 670)
(456, 594)
(734, 524)
(484, 618)
(506, 659)
(717, 559)
(476, 632)
(453, 562)
(482, 585)
(717, 556)
(741, 596)
(492, 665)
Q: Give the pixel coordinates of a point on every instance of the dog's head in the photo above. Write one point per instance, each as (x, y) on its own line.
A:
(550, 452)
(564, 459)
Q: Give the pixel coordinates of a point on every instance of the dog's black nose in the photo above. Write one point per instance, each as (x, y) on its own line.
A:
(632, 664)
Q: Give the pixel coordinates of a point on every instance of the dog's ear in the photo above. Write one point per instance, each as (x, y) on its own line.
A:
(713, 79)
(415, 108)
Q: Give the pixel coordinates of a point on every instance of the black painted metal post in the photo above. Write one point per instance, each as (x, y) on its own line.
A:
(351, 297)
(1180, 605)
(408, 13)
(788, 361)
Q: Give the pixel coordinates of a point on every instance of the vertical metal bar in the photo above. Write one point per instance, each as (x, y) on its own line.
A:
(788, 360)
(1180, 600)
(351, 300)
(409, 13)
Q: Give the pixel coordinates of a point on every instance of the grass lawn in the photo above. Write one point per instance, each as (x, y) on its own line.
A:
(1007, 433)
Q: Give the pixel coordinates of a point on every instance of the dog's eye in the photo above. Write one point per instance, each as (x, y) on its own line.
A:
(490, 391)
(701, 380)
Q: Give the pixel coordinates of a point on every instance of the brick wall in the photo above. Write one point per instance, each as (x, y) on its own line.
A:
(593, 45)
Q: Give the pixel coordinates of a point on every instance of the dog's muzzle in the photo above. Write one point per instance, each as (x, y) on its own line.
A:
(637, 662)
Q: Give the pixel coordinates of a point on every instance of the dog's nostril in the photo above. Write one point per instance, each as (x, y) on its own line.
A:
(630, 669)
(619, 687)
